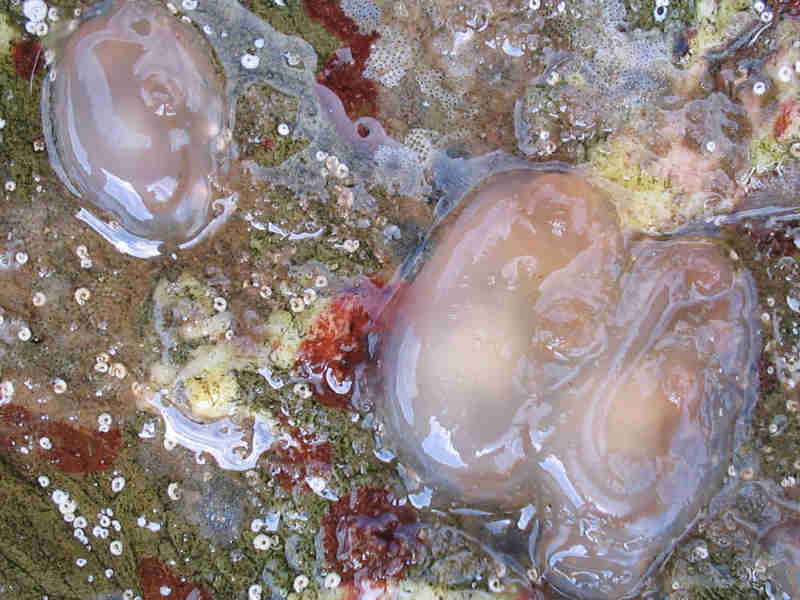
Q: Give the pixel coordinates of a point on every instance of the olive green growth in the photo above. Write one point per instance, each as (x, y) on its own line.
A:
(767, 153)
(265, 123)
(718, 22)
(289, 17)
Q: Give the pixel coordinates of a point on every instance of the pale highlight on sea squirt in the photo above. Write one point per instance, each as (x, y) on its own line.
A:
(135, 121)
(543, 357)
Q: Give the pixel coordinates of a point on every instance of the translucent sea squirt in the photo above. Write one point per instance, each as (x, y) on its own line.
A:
(543, 357)
(134, 116)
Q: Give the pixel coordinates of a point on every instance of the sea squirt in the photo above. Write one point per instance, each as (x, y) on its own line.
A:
(135, 121)
(542, 356)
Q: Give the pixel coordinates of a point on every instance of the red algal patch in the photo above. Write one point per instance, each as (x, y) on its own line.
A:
(300, 455)
(772, 242)
(790, 7)
(367, 536)
(336, 343)
(789, 111)
(343, 71)
(74, 449)
(28, 58)
(153, 575)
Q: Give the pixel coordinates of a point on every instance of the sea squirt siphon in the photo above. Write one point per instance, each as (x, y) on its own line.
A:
(541, 356)
(135, 121)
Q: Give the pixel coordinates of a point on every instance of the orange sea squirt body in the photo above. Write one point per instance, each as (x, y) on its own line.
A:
(134, 116)
(542, 356)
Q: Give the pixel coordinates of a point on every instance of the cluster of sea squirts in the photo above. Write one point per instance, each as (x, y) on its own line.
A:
(259, 339)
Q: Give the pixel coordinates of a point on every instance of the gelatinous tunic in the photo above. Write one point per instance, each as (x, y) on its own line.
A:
(541, 357)
(133, 117)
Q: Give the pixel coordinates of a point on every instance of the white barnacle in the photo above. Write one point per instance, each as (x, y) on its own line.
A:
(40, 29)
(254, 592)
(262, 542)
(104, 421)
(68, 507)
(82, 296)
(250, 61)
(6, 391)
(300, 583)
(332, 580)
(100, 532)
(342, 171)
(495, 585)
(309, 295)
(59, 497)
(118, 370)
(174, 491)
(302, 389)
(34, 10)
